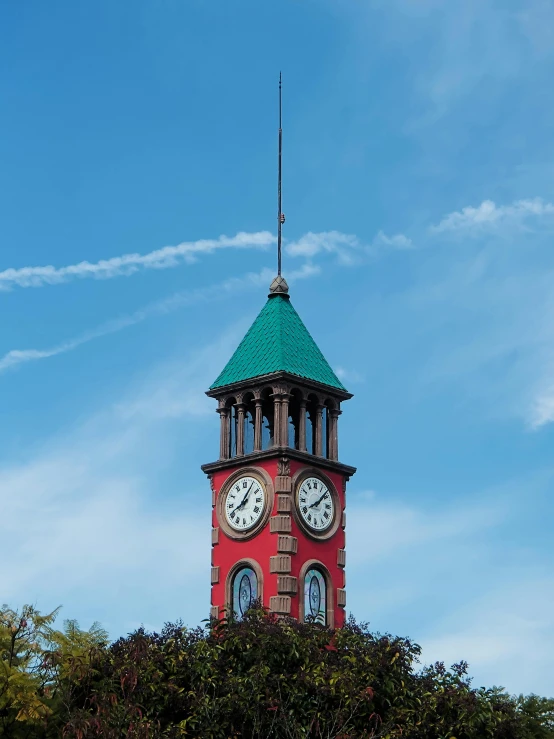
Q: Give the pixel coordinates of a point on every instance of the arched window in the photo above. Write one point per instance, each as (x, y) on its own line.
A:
(315, 596)
(244, 591)
(249, 422)
(267, 419)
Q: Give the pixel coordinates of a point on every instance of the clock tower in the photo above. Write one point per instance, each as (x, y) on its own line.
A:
(278, 487)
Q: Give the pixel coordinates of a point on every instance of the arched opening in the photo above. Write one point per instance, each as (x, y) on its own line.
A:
(315, 596)
(311, 424)
(325, 432)
(244, 591)
(233, 426)
(268, 418)
(249, 423)
(293, 437)
(330, 439)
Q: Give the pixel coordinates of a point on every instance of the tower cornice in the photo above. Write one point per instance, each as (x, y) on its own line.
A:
(281, 376)
(278, 452)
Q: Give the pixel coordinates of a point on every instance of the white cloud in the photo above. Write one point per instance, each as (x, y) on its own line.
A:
(397, 241)
(536, 19)
(507, 632)
(342, 245)
(172, 256)
(85, 519)
(168, 256)
(348, 375)
(486, 329)
(542, 409)
(488, 213)
(472, 48)
(346, 247)
(307, 270)
(397, 527)
(454, 573)
(15, 357)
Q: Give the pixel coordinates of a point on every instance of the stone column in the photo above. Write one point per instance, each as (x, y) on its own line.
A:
(224, 433)
(240, 429)
(258, 422)
(276, 419)
(302, 426)
(284, 441)
(334, 434)
(319, 431)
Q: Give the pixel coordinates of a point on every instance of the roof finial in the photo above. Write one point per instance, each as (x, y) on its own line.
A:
(280, 214)
(279, 287)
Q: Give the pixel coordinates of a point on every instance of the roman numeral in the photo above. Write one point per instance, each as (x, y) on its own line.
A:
(237, 488)
(303, 500)
(328, 506)
(305, 509)
(229, 505)
(326, 515)
(245, 483)
(256, 509)
(259, 500)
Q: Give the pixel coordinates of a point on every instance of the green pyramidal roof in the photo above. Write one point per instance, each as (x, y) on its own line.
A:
(278, 341)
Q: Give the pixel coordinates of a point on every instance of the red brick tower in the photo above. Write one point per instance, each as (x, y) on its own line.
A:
(278, 489)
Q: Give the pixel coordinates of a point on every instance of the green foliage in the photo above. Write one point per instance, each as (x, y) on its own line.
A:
(22, 677)
(33, 661)
(537, 716)
(259, 677)
(263, 677)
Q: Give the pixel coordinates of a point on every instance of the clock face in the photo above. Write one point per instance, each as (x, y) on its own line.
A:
(244, 503)
(316, 504)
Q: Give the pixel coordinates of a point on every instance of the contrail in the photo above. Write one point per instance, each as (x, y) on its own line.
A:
(168, 256)
(157, 308)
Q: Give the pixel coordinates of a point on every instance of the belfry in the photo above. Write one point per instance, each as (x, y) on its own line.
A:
(278, 487)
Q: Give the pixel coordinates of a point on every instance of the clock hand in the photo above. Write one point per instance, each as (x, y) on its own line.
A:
(243, 501)
(318, 501)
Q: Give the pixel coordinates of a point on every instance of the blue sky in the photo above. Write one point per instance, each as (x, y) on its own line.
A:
(419, 198)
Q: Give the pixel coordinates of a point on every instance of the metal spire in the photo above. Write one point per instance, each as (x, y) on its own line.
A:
(280, 214)
(279, 285)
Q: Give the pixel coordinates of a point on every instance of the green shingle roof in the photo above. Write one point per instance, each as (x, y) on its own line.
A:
(277, 341)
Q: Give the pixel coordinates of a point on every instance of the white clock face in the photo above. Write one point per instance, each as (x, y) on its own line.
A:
(316, 504)
(244, 503)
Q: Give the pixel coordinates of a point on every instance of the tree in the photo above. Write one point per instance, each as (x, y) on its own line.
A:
(263, 677)
(22, 674)
(33, 659)
(259, 677)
